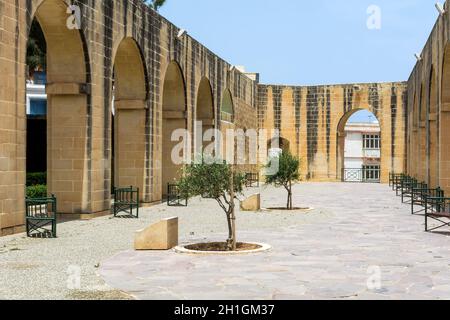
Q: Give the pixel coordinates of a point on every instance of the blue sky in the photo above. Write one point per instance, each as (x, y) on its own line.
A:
(303, 42)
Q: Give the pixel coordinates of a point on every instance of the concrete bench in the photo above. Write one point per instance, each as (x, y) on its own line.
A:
(162, 235)
(252, 203)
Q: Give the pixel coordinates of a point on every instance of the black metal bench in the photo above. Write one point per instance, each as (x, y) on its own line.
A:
(438, 210)
(397, 183)
(174, 197)
(251, 179)
(406, 184)
(394, 179)
(408, 187)
(126, 202)
(419, 197)
(40, 217)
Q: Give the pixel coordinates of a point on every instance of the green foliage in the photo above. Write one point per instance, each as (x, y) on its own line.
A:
(36, 48)
(37, 191)
(210, 180)
(214, 180)
(155, 4)
(36, 178)
(288, 172)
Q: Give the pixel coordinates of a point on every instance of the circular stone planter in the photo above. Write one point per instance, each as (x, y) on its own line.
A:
(261, 247)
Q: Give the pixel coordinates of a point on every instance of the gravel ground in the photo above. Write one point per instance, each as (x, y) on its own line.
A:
(43, 268)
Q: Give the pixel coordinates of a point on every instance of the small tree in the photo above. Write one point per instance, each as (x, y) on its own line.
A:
(214, 180)
(155, 4)
(288, 172)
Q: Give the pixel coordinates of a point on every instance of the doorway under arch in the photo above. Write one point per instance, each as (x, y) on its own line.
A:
(174, 118)
(67, 81)
(359, 147)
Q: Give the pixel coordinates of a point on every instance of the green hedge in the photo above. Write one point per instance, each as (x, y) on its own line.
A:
(38, 191)
(36, 179)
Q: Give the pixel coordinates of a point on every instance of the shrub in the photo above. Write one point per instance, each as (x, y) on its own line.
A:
(38, 191)
(36, 179)
(287, 173)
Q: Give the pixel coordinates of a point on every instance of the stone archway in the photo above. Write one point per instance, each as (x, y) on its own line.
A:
(227, 122)
(130, 94)
(433, 134)
(381, 174)
(204, 114)
(68, 100)
(174, 117)
(422, 167)
(444, 124)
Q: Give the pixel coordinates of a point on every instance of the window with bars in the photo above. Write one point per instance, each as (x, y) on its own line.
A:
(371, 172)
(371, 141)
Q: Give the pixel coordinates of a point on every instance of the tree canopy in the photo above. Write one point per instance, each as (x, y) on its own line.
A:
(213, 180)
(155, 4)
(288, 172)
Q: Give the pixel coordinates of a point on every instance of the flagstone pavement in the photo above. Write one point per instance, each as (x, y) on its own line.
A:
(359, 242)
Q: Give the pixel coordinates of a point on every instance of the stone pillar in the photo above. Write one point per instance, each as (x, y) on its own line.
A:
(67, 148)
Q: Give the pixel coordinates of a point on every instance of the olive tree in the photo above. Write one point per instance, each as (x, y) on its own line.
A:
(287, 173)
(155, 4)
(214, 180)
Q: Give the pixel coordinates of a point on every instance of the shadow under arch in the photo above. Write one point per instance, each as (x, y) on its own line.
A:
(69, 106)
(174, 117)
(341, 139)
(205, 115)
(433, 132)
(130, 92)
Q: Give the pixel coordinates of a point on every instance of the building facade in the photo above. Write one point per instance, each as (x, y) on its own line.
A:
(159, 80)
(362, 161)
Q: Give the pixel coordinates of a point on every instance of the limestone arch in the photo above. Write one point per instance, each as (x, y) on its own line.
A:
(174, 114)
(227, 119)
(422, 132)
(130, 91)
(282, 143)
(227, 107)
(205, 115)
(433, 134)
(444, 123)
(68, 101)
(340, 145)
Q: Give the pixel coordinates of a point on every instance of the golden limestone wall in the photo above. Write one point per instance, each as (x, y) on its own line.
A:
(429, 110)
(162, 82)
(313, 118)
(140, 45)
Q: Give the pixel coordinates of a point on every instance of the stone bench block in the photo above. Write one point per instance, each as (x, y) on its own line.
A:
(162, 235)
(252, 203)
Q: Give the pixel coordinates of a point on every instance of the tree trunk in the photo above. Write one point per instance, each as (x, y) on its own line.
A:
(231, 215)
(289, 205)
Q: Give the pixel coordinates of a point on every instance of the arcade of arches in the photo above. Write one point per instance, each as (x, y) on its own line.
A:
(118, 86)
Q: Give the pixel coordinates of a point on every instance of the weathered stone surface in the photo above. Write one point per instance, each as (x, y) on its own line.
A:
(162, 235)
(252, 203)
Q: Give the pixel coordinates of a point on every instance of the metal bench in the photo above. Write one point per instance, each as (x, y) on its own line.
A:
(408, 187)
(40, 217)
(394, 179)
(419, 197)
(397, 183)
(126, 202)
(438, 210)
(174, 197)
(251, 179)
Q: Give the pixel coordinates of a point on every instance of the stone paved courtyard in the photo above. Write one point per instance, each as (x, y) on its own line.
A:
(328, 253)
